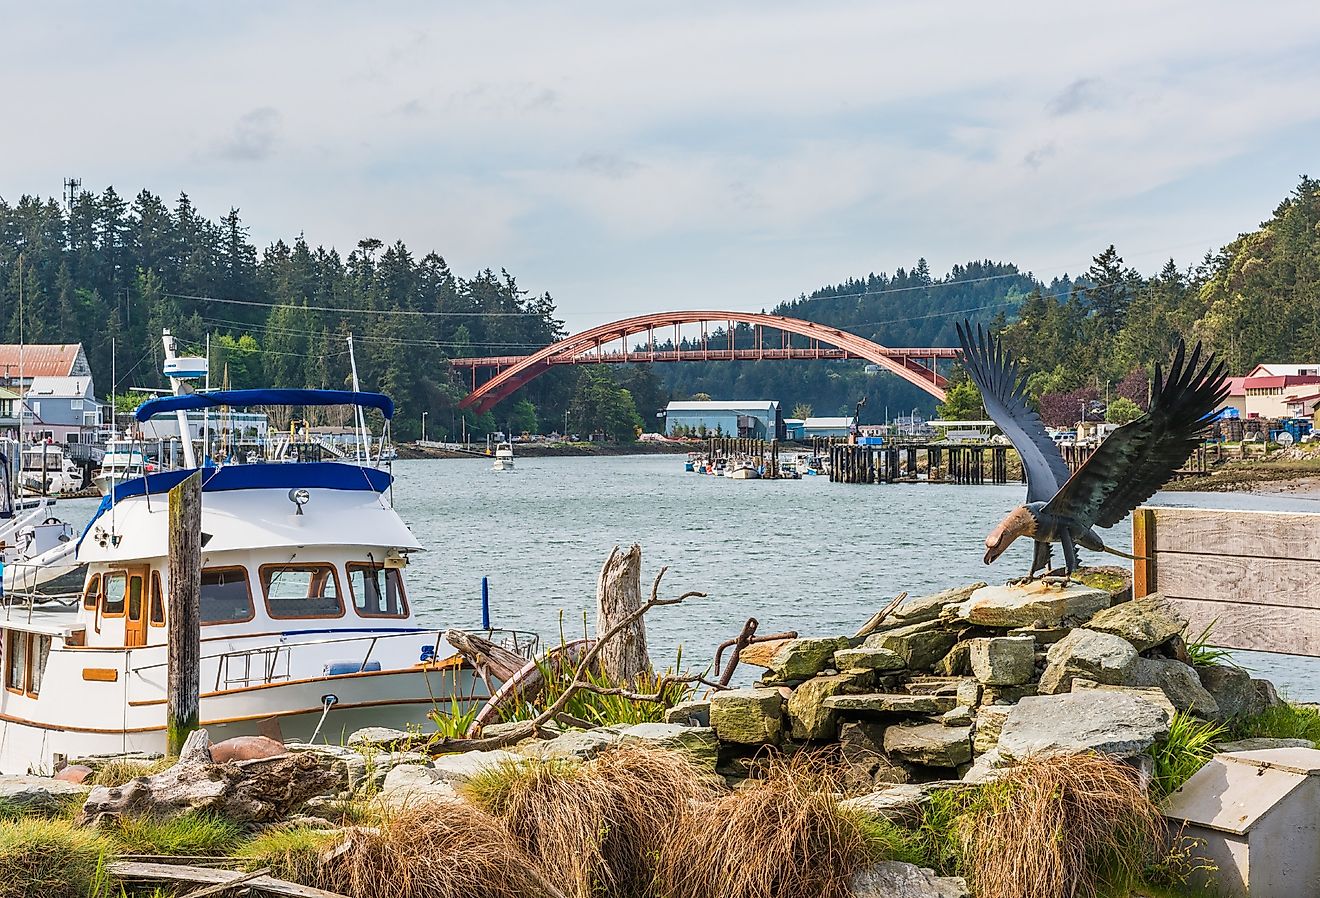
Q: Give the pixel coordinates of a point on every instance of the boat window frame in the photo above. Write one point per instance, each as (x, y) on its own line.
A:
(403, 590)
(33, 687)
(156, 600)
(247, 583)
(92, 592)
(104, 602)
(23, 637)
(302, 565)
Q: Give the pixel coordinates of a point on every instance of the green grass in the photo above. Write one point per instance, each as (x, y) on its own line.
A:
(50, 858)
(453, 722)
(1285, 721)
(186, 834)
(1184, 751)
(292, 853)
(1205, 655)
(892, 842)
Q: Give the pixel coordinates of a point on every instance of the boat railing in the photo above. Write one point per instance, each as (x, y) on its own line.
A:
(266, 664)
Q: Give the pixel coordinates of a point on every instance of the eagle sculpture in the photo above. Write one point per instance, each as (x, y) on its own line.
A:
(1126, 468)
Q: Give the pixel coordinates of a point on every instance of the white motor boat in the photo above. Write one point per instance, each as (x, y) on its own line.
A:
(306, 625)
(47, 471)
(743, 470)
(503, 457)
(123, 460)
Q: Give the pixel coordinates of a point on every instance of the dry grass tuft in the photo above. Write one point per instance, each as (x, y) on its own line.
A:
(596, 828)
(781, 835)
(442, 850)
(1079, 826)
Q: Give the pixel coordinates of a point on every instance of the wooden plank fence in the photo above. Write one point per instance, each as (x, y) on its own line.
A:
(1252, 576)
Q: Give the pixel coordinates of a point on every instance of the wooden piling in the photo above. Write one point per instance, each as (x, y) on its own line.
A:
(183, 620)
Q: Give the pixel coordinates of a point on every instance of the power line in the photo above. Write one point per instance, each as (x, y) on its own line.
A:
(340, 309)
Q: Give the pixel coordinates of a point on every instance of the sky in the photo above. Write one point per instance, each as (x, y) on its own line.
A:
(630, 158)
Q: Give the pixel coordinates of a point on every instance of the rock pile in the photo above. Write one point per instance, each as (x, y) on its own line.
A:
(956, 684)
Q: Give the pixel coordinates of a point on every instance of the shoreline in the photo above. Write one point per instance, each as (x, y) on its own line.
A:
(551, 450)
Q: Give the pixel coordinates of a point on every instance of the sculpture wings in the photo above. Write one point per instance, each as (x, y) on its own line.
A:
(1003, 391)
(1140, 457)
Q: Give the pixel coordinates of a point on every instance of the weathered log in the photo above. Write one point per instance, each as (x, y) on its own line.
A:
(181, 873)
(490, 659)
(260, 790)
(184, 652)
(528, 682)
(619, 594)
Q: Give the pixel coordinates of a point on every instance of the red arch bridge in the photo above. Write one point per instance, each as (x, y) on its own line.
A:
(616, 342)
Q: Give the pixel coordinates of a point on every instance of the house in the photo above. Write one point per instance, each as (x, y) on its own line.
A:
(755, 419)
(1303, 404)
(1268, 370)
(826, 427)
(8, 412)
(63, 409)
(1265, 393)
(19, 365)
(793, 428)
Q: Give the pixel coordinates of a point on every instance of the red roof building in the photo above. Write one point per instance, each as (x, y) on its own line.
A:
(19, 364)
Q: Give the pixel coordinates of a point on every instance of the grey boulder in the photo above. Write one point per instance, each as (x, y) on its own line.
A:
(1114, 722)
(1146, 622)
(896, 879)
(1101, 657)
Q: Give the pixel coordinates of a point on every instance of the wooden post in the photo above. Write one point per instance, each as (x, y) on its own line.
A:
(619, 594)
(184, 658)
(1143, 547)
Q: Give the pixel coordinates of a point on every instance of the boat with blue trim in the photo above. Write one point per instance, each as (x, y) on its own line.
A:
(307, 630)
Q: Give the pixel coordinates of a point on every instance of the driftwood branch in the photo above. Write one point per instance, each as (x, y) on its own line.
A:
(579, 681)
(879, 617)
(181, 873)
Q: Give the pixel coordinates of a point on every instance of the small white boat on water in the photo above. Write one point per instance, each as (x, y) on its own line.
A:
(306, 624)
(47, 471)
(124, 460)
(503, 456)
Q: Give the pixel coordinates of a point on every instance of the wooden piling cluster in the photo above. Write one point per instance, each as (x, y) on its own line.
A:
(896, 464)
(1197, 463)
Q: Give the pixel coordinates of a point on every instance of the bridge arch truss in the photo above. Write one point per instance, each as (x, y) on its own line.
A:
(915, 365)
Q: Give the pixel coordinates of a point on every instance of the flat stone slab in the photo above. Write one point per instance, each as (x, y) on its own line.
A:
(931, 744)
(868, 658)
(1110, 722)
(462, 767)
(576, 745)
(415, 784)
(695, 713)
(1146, 622)
(891, 703)
(1262, 743)
(40, 792)
(897, 879)
(699, 742)
(747, 716)
(1031, 605)
(801, 659)
(378, 736)
(1003, 660)
(901, 803)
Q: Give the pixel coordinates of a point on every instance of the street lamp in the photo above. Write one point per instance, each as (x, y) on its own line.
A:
(424, 427)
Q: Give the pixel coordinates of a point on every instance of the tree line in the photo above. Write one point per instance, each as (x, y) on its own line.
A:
(111, 273)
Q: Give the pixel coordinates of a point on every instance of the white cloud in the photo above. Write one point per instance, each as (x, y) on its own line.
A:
(757, 149)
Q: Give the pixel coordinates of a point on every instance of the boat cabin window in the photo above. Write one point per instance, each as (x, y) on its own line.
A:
(93, 590)
(225, 596)
(16, 645)
(377, 591)
(114, 587)
(25, 661)
(301, 590)
(157, 607)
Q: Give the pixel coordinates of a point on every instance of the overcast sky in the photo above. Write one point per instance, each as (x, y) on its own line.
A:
(631, 158)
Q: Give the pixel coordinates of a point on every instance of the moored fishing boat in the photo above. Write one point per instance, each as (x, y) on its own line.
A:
(503, 456)
(306, 624)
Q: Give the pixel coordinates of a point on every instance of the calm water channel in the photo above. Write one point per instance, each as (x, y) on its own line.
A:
(804, 555)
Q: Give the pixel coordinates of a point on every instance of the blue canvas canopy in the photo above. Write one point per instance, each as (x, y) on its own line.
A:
(247, 398)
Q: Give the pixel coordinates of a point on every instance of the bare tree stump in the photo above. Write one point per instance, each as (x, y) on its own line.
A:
(618, 595)
(260, 790)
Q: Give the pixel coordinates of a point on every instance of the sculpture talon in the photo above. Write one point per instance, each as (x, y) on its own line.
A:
(1125, 470)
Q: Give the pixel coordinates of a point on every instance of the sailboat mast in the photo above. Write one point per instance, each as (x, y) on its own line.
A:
(363, 449)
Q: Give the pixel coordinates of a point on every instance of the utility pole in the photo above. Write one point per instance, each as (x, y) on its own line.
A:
(71, 188)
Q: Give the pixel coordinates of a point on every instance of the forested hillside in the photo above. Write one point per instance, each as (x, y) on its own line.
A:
(108, 272)
(909, 308)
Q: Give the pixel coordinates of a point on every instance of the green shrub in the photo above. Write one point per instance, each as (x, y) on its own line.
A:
(1286, 721)
(50, 858)
(1184, 751)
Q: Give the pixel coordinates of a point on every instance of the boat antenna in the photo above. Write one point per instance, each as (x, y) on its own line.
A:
(362, 438)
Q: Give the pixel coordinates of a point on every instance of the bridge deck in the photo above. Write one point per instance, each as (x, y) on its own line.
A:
(592, 356)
